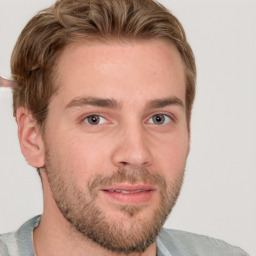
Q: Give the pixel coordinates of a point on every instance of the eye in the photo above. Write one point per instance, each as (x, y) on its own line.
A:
(94, 120)
(159, 119)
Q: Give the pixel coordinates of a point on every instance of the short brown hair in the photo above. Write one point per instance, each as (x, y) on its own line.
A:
(41, 42)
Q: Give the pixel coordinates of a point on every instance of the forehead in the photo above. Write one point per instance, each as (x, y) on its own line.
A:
(144, 67)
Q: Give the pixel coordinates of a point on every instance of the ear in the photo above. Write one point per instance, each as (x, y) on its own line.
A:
(188, 150)
(30, 137)
(189, 143)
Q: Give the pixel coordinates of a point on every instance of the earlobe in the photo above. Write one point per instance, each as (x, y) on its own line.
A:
(30, 137)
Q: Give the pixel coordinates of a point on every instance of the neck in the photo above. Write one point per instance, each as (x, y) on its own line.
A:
(55, 236)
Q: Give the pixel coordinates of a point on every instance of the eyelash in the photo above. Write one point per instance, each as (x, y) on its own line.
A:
(166, 121)
(165, 116)
(91, 116)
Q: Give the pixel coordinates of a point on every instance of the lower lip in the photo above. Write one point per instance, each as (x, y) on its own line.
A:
(130, 198)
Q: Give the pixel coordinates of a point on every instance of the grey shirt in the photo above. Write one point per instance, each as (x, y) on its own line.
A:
(169, 243)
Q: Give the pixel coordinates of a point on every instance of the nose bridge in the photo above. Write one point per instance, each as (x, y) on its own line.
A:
(132, 148)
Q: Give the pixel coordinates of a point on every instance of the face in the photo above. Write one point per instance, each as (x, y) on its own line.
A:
(116, 140)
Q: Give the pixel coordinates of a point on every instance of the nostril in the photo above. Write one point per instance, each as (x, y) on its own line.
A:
(131, 153)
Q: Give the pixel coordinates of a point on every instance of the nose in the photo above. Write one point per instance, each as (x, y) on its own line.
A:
(132, 149)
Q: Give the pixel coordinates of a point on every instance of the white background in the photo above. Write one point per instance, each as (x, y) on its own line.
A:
(219, 193)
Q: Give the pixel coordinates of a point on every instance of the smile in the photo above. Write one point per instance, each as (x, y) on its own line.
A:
(129, 194)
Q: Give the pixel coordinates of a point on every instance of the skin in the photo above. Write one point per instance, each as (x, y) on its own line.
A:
(134, 75)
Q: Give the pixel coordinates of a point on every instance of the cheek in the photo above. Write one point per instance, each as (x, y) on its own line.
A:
(172, 157)
(81, 156)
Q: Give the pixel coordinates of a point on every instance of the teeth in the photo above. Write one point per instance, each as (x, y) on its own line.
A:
(126, 192)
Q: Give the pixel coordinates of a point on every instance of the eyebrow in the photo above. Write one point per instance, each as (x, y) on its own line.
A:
(161, 103)
(93, 101)
(113, 104)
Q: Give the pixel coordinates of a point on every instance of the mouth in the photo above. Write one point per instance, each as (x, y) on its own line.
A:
(129, 194)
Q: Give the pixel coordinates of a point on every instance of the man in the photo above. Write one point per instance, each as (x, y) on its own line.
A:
(103, 105)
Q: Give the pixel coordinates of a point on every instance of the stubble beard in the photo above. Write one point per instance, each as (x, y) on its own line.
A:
(134, 233)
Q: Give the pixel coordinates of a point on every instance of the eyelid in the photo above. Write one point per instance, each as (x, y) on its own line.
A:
(168, 116)
(86, 116)
(166, 120)
(99, 116)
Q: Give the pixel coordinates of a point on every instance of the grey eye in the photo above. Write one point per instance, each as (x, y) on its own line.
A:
(159, 119)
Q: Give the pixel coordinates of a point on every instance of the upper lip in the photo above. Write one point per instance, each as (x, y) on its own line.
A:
(130, 187)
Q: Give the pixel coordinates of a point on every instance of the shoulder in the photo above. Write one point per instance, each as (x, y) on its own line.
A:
(186, 243)
(3, 248)
(7, 243)
(21, 241)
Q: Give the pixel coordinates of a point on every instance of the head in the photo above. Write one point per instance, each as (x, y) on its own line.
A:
(44, 38)
(103, 106)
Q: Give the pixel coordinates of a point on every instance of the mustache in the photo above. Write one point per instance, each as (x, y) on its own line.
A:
(142, 175)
